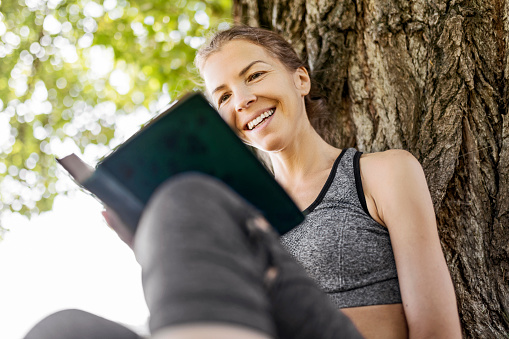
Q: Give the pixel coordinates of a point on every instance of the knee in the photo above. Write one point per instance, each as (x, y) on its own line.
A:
(189, 189)
(74, 323)
(53, 325)
(196, 193)
(187, 207)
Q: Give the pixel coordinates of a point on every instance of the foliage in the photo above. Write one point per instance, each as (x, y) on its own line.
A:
(71, 72)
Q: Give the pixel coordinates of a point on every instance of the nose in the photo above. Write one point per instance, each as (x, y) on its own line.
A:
(243, 99)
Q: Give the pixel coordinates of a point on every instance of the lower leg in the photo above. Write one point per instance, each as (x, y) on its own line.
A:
(197, 260)
(217, 261)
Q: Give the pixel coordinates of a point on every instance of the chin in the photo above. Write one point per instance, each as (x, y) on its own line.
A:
(270, 145)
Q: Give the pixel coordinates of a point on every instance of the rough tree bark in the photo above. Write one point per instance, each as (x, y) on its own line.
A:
(428, 76)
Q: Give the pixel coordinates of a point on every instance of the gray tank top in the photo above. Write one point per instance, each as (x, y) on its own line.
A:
(341, 247)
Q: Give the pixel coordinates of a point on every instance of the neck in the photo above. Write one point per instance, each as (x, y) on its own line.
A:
(308, 154)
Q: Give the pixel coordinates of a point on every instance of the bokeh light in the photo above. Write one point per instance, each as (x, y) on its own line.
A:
(75, 73)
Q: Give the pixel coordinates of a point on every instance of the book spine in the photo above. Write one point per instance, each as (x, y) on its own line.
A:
(116, 196)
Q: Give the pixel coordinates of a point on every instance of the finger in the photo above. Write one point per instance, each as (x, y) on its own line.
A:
(118, 226)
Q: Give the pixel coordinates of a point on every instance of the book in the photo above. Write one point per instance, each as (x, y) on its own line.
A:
(190, 136)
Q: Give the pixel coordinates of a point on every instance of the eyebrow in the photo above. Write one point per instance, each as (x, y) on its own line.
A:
(241, 73)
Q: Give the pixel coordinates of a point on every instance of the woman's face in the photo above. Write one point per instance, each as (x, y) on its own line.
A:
(256, 94)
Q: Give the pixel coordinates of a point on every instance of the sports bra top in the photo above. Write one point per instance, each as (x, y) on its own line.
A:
(341, 246)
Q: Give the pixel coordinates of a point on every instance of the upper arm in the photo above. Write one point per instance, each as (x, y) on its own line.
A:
(403, 203)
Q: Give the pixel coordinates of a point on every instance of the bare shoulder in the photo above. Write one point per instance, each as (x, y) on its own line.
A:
(389, 158)
(390, 177)
(390, 164)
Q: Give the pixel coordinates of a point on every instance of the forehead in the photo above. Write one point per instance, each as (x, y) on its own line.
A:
(233, 56)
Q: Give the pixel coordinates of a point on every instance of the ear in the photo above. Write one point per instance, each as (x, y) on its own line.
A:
(302, 80)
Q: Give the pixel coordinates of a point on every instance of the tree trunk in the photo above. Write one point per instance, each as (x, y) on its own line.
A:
(428, 76)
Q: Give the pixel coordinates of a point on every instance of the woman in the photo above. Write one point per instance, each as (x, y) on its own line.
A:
(225, 275)
(261, 88)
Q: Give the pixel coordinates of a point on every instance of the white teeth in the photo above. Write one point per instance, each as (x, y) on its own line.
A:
(253, 123)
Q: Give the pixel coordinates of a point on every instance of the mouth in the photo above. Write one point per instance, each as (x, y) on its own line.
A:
(259, 119)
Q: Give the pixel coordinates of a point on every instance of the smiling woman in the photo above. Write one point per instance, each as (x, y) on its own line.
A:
(389, 274)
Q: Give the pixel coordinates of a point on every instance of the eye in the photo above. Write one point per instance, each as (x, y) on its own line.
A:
(255, 76)
(223, 98)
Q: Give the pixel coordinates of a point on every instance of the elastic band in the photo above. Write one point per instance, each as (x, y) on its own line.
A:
(358, 181)
(325, 187)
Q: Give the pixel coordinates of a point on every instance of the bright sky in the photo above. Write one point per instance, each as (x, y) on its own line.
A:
(67, 258)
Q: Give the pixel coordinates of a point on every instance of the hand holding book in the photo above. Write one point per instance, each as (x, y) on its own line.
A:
(116, 224)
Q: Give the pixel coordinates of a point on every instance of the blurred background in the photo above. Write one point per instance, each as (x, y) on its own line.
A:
(80, 76)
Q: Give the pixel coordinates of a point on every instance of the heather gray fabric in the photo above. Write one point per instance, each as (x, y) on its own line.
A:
(215, 263)
(204, 261)
(76, 324)
(341, 247)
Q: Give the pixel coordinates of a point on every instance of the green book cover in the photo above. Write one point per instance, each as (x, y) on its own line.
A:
(188, 137)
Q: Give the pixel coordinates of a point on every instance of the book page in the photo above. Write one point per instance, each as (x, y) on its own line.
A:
(76, 167)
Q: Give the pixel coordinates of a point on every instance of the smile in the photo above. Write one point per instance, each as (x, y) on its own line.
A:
(256, 121)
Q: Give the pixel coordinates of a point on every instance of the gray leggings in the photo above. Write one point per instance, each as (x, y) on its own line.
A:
(204, 261)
